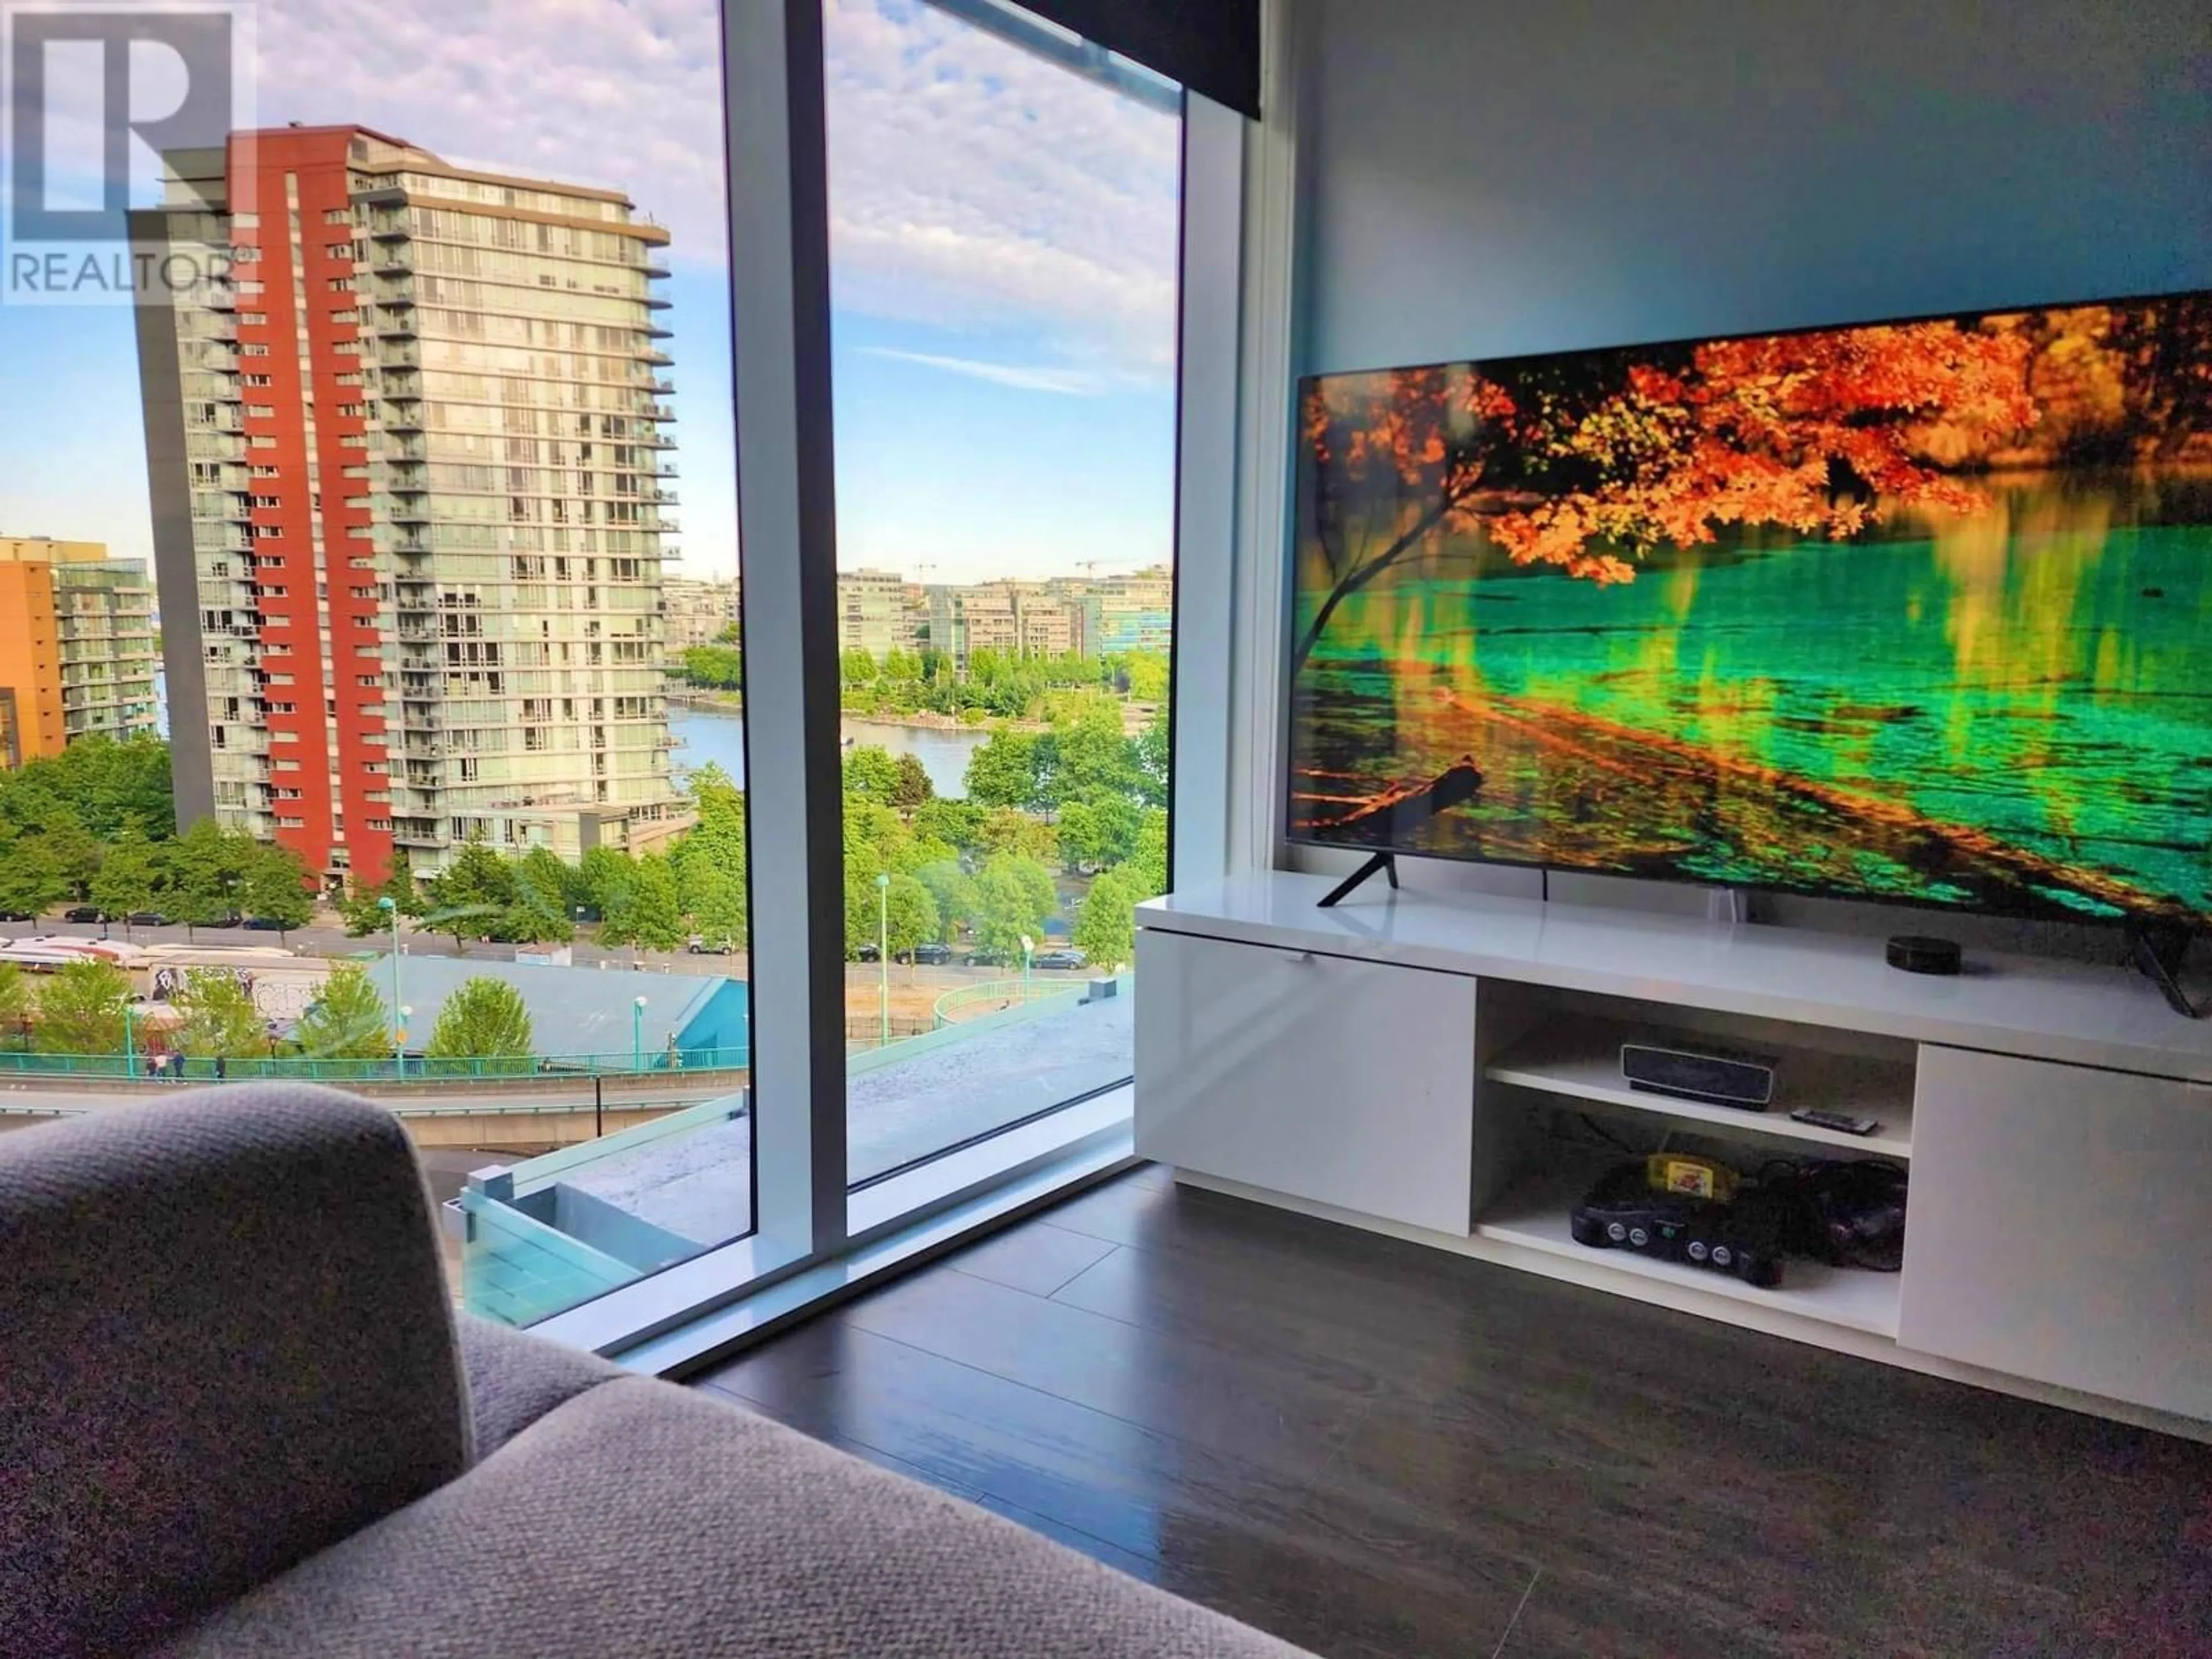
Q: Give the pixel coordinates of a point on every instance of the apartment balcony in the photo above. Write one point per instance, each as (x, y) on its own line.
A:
(406, 480)
(401, 415)
(653, 331)
(409, 542)
(394, 294)
(654, 355)
(391, 326)
(655, 412)
(399, 355)
(404, 449)
(407, 513)
(655, 265)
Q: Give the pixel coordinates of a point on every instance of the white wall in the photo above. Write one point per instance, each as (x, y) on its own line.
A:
(1491, 177)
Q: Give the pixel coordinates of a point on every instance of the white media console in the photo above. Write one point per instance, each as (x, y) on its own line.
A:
(1444, 1067)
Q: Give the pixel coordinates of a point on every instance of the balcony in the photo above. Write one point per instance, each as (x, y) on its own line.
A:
(401, 415)
(654, 355)
(389, 326)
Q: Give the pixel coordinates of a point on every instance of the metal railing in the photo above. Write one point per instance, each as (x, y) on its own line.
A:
(413, 1068)
(995, 994)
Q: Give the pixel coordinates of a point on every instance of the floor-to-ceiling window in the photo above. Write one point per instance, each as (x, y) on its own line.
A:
(1003, 215)
(421, 427)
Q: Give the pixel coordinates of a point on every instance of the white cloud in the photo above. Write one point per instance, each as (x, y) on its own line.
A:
(1067, 382)
(975, 187)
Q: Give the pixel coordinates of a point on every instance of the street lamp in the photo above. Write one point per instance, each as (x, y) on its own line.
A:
(399, 1039)
(130, 1044)
(392, 911)
(883, 955)
(1029, 949)
(637, 1035)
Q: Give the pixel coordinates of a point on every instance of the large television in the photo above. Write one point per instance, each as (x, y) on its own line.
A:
(1916, 612)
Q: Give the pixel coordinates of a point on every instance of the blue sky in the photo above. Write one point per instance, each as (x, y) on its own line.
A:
(1003, 238)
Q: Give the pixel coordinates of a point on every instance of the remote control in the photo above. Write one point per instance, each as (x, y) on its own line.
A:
(1839, 1122)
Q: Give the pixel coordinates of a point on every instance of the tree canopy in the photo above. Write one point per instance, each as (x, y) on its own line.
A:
(484, 1018)
(81, 1009)
(348, 1020)
(221, 1022)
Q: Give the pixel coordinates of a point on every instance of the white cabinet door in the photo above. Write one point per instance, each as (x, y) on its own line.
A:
(1347, 1083)
(2057, 1227)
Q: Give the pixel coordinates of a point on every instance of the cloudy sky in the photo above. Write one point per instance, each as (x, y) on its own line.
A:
(1004, 242)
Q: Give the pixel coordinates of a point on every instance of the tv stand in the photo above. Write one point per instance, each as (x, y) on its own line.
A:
(2157, 949)
(1445, 1068)
(1386, 862)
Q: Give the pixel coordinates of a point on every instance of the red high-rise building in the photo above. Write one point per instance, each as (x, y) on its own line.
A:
(407, 475)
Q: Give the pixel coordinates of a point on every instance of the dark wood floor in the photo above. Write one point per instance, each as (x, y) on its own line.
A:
(1371, 1448)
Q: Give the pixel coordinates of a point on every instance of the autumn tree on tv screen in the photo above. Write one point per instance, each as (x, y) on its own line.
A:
(1919, 611)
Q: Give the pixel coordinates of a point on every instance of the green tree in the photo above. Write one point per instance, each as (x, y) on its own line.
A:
(721, 667)
(910, 914)
(1008, 832)
(471, 895)
(857, 665)
(913, 788)
(948, 819)
(602, 876)
(131, 876)
(954, 891)
(276, 888)
(718, 906)
(77, 852)
(1151, 754)
(1147, 869)
(16, 1001)
(647, 912)
(1002, 772)
(485, 1018)
(870, 773)
(207, 866)
(1106, 925)
(1148, 676)
(1093, 755)
(221, 1022)
(81, 1009)
(541, 908)
(30, 880)
(1014, 894)
(348, 1020)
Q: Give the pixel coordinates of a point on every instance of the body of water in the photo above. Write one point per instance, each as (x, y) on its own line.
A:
(2013, 708)
(703, 735)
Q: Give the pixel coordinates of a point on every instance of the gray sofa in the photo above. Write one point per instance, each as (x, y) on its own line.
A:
(238, 1417)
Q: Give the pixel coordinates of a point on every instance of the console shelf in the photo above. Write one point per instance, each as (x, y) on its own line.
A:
(1582, 1060)
(1533, 1215)
(1422, 1063)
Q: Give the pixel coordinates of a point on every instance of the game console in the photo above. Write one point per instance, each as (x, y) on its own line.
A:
(1718, 1077)
(1744, 1238)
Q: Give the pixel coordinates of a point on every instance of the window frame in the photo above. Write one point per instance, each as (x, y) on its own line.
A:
(813, 1238)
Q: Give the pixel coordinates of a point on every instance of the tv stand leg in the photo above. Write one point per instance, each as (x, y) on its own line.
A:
(2157, 953)
(1386, 862)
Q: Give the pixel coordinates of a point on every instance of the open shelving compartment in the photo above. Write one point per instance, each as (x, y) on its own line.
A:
(1554, 1112)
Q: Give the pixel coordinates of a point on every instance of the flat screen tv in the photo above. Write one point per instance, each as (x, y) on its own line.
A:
(1916, 612)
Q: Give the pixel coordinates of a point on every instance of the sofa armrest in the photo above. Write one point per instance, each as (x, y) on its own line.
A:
(225, 1344)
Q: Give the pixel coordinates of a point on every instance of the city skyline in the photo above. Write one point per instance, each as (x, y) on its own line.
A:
(1003, 272)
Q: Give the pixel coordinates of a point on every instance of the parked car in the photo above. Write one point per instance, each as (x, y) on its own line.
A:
(264, 925)
(1058, 959)
(86, 913)
(147, 919)
(232, 920)
(988, 959)
(931, 955)
(864, 953)
(700, 945)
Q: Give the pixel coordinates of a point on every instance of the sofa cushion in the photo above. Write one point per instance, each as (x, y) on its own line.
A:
(644, 1520)
(515, 1378)
(226, 1342)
